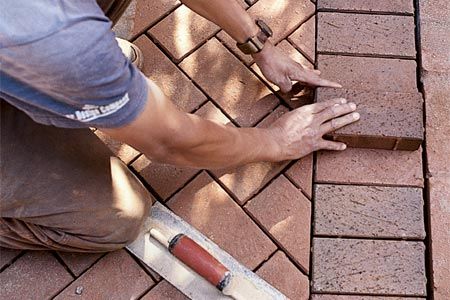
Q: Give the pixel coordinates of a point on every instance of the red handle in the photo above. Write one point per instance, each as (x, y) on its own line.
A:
(199, 260)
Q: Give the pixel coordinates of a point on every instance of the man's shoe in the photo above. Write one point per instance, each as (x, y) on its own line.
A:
(132, 52)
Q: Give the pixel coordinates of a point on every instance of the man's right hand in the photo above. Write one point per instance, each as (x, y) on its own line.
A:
(300, 132)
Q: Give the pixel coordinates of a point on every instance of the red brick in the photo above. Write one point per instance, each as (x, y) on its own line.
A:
(348, 297)
(182, 31)
(368, 211)
(301, 174)
(123, 151)
(300, 95)
(305, 38)
(170, 79)
(437, 95)
(439, 189)
(392, 121)
(282, 16)
(386, 6)
(245, 181)
(148, 12)
(369, 267)
(369, 166)
(79, 262)
(366, 34)
(35, 275)
(286, 214)
(164, 291)
(368, 73)
(163, 178)
(167, 179)
(7, 255)
(206, 206)
(435, 45)
(284, 276)
(436, 11)
(243, 97)
(115, 276)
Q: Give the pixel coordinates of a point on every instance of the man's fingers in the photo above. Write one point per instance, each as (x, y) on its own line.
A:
(318, 107)
(335, 110)
(286, 85)
(338, 123)
(312, 78)
(330, 145)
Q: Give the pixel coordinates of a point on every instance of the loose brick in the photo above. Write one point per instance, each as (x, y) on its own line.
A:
(300, 95)
(380, 6)
(366, 34)
(439, 188)
(115, 276)
(35, 275)
(210, 112)
(437, 95)
(164, 291)
(282, 17)
(79, 262)
(245, 181)
(305, 38)
(243, 97)
(147, 13)
(163, 178)
(368, 211)
(348, 297)
(182, 31)
(7, 255)
(301, 173)
(123, 151)
(284, 276)
(435, 45)
(392, 121)
(286, 214)
(207, 207)
(370, 166)
(169, 78)
(368, 73)
(369, 267)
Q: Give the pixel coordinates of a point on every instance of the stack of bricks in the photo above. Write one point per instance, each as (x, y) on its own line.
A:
(368, 231)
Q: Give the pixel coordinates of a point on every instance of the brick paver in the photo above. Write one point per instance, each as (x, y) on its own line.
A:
(116, 275)
(123, 151)
(392, 121)
(368, 211)
(380, 6)
(79, 262)
(182, 31)
(368, 73)
(301, 174)
(366, 34)
(169, 78)
(147, 13)
(283, 275)
(286, 214)
(207, 207)
(304, 38)
(164, 291)
(369, 166)
(7, 255)
(368, 267)
(35, 275)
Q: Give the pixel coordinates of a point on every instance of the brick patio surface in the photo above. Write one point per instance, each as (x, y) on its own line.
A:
(360, 224)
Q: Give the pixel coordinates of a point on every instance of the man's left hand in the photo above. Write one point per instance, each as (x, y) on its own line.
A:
(281, 70)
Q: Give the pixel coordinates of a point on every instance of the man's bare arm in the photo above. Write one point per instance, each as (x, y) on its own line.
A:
(277, 67)
(165, 134)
